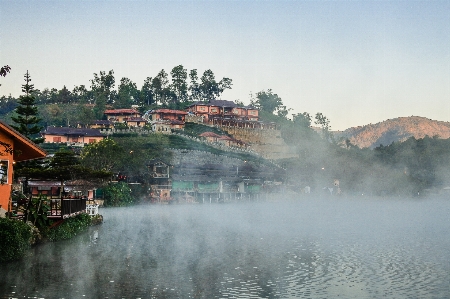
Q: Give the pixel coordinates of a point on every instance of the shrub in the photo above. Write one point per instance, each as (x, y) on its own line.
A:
(37, 211)
(117, 195)
(69, 227)
(15, 238)
(120, 126)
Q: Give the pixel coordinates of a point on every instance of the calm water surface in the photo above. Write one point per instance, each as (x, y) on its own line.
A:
(304, 248)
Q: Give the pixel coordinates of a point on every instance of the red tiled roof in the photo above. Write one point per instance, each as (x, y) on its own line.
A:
(122, 111)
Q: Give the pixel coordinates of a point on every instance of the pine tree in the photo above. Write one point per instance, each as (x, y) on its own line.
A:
(27, 119)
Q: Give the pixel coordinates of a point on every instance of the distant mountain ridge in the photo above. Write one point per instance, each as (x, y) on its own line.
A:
(393, 130)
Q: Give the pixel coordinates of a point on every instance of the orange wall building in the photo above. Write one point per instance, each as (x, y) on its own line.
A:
(71, 135)
(168, 114)
(14, 147)
(223, 109)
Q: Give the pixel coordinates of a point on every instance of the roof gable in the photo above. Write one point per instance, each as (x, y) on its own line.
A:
(24, 148)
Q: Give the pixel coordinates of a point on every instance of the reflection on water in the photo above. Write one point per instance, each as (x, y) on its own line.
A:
(306, 248)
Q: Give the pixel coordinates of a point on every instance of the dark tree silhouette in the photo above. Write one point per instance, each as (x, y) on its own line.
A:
(27, 113)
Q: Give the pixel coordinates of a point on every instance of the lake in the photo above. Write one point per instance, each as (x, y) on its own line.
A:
(299, 248)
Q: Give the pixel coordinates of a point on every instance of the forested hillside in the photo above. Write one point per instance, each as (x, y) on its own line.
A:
(393, 130)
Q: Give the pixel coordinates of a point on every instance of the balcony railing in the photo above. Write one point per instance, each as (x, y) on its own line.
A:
(66, 207)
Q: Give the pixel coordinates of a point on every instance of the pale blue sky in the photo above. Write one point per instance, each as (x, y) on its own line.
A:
(357, 62)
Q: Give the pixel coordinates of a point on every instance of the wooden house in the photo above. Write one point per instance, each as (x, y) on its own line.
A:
(14, 147)
(200, 109)
(51, 189)
(160, 182)
(81, 188)
(252, 113)
(72, 199)
(173, 118)
(166, 120)
(121, 115)
(137, 122)
(102, 124)
(71, 136)
(167, 114)
(71, 188)
(223, 109)
(218, 108)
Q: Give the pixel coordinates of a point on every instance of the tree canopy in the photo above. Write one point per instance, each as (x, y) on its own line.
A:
(26, 119)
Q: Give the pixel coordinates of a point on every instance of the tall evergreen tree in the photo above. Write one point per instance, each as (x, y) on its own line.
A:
(209, 87)
(26, 122)
(179, 86)
(26, 118)
(160, 85)
(194, 87)
(146, 94)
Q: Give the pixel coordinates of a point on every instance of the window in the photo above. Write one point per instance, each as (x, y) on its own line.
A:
(91, 140)
(57, 139)
(4, 171)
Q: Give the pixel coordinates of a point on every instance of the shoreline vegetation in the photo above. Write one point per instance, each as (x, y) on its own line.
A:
(18, 236)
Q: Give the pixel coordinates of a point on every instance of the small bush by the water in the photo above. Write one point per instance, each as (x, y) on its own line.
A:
(96, 219)
(69, 227)
(15, 238)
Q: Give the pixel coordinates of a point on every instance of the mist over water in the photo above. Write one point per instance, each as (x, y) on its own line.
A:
(300, 248)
